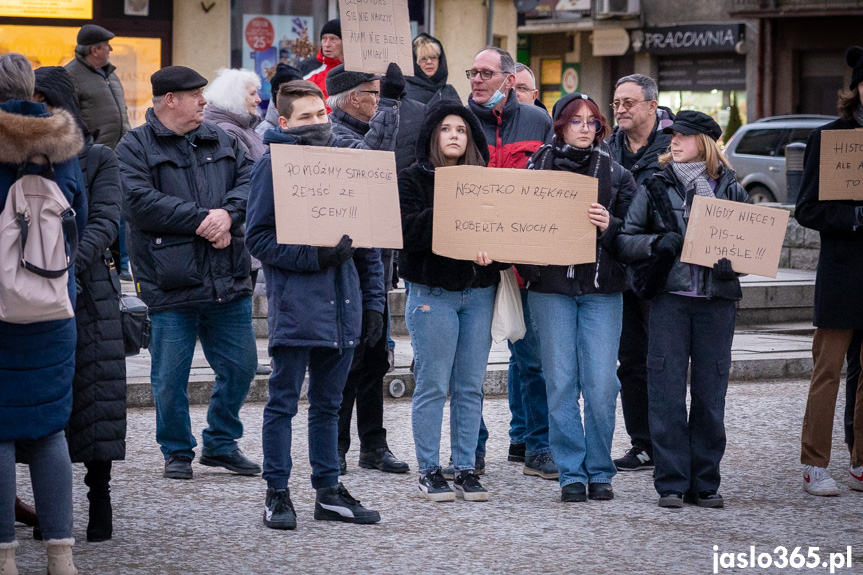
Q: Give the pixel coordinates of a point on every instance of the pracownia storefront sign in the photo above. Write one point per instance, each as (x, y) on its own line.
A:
(693, 38)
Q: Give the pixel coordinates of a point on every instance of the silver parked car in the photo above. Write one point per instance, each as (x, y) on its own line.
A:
(757, 153)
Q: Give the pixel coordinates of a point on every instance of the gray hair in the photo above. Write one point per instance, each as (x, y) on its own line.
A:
(646, 83)
(83, 50)
(17, 80)
(507, 64)
(228, 90)
(519, 67)
(339, 101)
(158, 100)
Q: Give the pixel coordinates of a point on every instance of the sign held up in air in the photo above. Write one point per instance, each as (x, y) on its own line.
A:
(375, 33)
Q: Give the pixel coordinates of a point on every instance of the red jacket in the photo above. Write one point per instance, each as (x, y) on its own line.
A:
(514, 133)
(319, 75)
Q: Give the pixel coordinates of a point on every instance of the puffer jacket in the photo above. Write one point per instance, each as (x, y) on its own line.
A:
(242, 127)
(97, 427)
(101, 100)
(643, 225)
(648, 163)
(318, 76)
(37, 360)
(309, 306)
(270, 121)
(432, 90)
(513, 133)
(417, 262)
(169, 186)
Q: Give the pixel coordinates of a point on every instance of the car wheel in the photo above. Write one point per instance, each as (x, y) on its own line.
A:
(760, 194)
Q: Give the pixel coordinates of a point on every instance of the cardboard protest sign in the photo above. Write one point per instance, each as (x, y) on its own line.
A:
(841, 175)
(323, 193)
(375, 33)
(518, 216)
(750, 236)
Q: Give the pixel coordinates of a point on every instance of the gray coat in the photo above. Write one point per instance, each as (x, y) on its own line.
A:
(101, 100)
(242, 127)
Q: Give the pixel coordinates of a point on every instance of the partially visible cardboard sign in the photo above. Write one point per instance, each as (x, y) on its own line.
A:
(750, 236)
(841, 174)
(375, 33)
(517, 216)
(322, 193)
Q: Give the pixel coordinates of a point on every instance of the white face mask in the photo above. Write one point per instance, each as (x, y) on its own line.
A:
(496, 97)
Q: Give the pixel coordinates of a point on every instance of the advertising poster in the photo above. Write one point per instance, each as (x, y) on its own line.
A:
(269, 39)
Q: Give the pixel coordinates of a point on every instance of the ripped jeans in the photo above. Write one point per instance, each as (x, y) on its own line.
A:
(451, 338)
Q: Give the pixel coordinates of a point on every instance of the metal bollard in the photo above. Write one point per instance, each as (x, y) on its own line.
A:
(793, 170)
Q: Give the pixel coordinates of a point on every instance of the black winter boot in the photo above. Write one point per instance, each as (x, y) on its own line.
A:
(98, 478)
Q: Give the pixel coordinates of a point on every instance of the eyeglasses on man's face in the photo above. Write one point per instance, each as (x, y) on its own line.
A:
(484, 74)
(375, 93)
(592, 126)
(627, 103)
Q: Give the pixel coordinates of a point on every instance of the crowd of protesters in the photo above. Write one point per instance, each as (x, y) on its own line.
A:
(192, 191)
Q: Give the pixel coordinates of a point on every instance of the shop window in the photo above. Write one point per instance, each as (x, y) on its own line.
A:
(761, 142)
(136, 59)
(551, 70)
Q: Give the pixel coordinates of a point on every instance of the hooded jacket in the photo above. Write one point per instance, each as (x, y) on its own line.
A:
(170, 183)
(606, 274)
(101, 100)
(242, 127)
(308, 306)
(37, 360)
(432, 90)
(513, 133)
(643, 226)
(417, 262)
(648, 163)
(318, 76)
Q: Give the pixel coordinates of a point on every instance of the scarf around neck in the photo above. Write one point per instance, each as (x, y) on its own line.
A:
(693, 175)
(312, 135)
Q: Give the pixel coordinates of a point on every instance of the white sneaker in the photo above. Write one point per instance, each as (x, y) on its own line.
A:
(855, 482)
(818, 481)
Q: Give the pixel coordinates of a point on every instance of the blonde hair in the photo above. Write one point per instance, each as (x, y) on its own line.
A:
(425, 47)
(709, 153)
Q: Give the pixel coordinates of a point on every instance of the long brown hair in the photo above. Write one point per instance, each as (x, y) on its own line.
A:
(848, 102)
(709, 153)
(471, 156)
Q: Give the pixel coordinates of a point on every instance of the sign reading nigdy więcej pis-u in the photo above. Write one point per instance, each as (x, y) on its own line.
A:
(375, 33)
(322, 193)
(517, 216)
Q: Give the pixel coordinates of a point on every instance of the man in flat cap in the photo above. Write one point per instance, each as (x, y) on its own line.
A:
(185, 187)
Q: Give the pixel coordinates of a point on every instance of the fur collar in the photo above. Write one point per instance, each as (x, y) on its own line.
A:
(33, 138)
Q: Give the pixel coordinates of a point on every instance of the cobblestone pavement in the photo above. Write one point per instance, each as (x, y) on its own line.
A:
(212, 525)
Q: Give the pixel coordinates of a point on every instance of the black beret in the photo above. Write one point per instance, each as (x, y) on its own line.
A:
(284, 73)
(90, 34)
(690, 122)
(176, 79)
(854, 58)
(332, 27)
(338, 80)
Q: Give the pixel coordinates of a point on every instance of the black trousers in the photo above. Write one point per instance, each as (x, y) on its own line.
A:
(852, 377)
(633, 370)
(365, 387)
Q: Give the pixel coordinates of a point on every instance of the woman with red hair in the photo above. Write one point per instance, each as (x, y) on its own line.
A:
(577, 309)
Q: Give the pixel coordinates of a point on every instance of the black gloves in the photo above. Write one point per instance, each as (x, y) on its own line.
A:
(393, 84)
(336, 256)
(670, 243)
(722, 270)
(373, 327)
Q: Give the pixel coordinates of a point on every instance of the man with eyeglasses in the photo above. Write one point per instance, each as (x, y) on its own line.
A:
(636, 144)
(525, 86)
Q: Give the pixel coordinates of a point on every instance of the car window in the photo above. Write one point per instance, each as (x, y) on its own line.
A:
(760, 142)
(800, 135)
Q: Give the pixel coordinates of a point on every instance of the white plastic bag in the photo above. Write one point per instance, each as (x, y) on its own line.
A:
(508, 319)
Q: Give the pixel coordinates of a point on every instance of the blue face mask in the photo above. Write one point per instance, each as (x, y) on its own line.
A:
(496, 97)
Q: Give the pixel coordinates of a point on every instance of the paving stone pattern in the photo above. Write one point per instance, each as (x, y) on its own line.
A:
(212, 524)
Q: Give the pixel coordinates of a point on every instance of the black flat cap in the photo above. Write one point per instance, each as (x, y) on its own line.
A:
(338, 80)
(690, 122)
(854, 58)
(176, 79)
(90, 34)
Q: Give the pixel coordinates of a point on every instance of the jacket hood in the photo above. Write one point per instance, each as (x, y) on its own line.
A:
(56, 85)
(217, 116)
(30, 133)
(439, 78)
(435, 114)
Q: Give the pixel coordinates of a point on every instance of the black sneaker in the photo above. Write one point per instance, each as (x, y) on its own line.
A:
(573, 493)
(671, 500)
(434, 487)
(709, 499)
(635, 460)
(600, 492)
(382, 459)
(234, 461)
(336, 504)
(125, 276)
(479, 469)
(540, 465)
(468, 487)
(178, 467)
(516, 452)
(279, 510)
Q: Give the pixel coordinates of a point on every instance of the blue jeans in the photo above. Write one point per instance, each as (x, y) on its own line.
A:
(226, 335)
(451, 338)
(51, 477)
(579, 339)
(528, 401)
(121, 241)
(328, 371)
(687, 452)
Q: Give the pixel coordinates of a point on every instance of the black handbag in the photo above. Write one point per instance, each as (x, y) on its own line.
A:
(134, 315)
